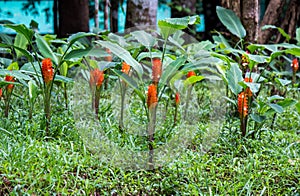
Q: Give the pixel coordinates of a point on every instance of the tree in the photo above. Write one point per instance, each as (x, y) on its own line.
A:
(141, 13)
(73, 16)
(114, 15)
(254, 19)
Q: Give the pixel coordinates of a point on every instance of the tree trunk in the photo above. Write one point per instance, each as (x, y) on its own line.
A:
(73, 16)
(250, 19)
(114, 16)
(271, 17)
(96, 14)
(141, 13)
(106, 14)
(289, 23)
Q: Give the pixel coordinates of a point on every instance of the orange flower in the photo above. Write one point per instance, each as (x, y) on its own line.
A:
(248, 91)
(47, 70)
(152, 96)
(109, 57)
(0, 92)
(243, 104)
(96, 77)
(190, 74)
(177, 98)
(125, 68)
(156, 70)
(9, 79)
(295, 65)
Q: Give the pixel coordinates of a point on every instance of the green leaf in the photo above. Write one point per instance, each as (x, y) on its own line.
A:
(22, 29)
(293, 51)
(257, 118)
(283, 82)
(231, 22)
(63, 70)
(298, 36)
(79, 53)
(192, 80)
(234, 76)
(170, 70)
(6, 39)
(287, 102)
(13, 66)
(45, 49)
(144, 38)
(21, 42)
(254, 87)
(143, 55)
(25, 52)
(60, 78)
(169, 26)
(131, 83)
(33, 90)
(277, 108)
(283, 33)
(123, 54)
(274, 97)
(297, 106)
(15, 73)
(75, 37)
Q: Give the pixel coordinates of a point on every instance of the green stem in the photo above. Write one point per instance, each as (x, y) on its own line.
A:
(188, 96)
(123, 92)
(151, 131)
(97, 100)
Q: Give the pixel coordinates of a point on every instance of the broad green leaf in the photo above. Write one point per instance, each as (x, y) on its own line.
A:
(283, 82)
(131, 83)
(234, 76)
(287, 102)
(258, 58)
(171, 69)
(169, 26)
(257, 118)
(192, 80)
(63, 70)
(75, 37)
(123, 54)
(283, 33)
(21, 42)
(231, 22)
(13, 66)
(143, 55)
(254, 87)
(79, 53)
(275, 97)
(22, 29)
(298, 36)
(33, 90)
(293, 51)
(60, 78)
(25, 52)
(15, 73)
(144, 38)
(277, 108)
(45, 49)
(6, 39)
(297, 106)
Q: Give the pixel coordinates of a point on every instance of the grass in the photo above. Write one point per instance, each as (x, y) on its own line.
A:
(63, 164)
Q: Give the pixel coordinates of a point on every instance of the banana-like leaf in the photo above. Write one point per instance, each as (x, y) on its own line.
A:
(144, 38)
(22, 29)
(123, 54)
(45, 49)
(234, 76)
(231, 22)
